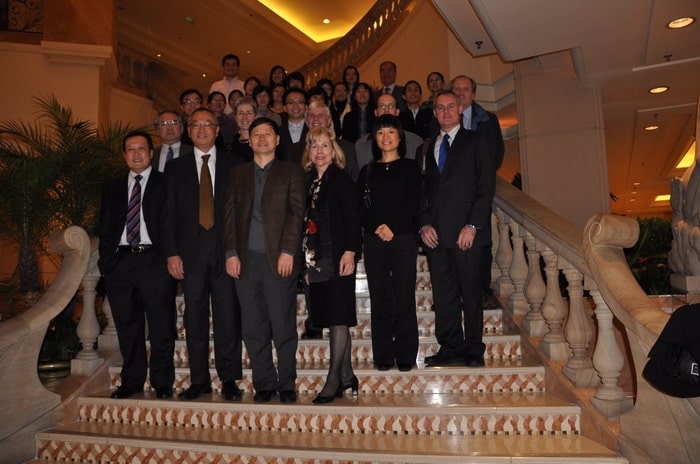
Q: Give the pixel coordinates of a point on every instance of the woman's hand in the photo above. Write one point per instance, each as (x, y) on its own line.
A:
(347, 263)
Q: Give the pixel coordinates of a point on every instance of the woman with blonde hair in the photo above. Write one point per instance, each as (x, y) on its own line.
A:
(331, 243)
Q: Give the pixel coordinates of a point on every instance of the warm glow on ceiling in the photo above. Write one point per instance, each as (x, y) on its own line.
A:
(310, 20)
(681, 23)
(659, 89)
(688, 158)
(661, 198)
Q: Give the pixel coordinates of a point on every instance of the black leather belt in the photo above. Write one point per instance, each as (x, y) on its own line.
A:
(134, 249)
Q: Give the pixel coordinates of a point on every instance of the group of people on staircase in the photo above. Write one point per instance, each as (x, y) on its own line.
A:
(239, 219)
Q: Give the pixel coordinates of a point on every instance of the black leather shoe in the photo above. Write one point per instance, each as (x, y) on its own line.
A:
(230, 391)
(264, 396)
(440, 359)
(383, 366)
(195, 391)
(125, 392)
(163, 393)
(288, 396)
(405, 367)
(312, 335)
(474, 361)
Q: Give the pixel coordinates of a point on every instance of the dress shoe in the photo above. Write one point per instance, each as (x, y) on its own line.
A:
(474, 361)
(264, 396)
(353, 384)
(405, 367)
(230, 391)
(163, 393)
(195, 391)
(441, 359)
(383, 366)
(125, 392)
(312, 335)
(288, 396)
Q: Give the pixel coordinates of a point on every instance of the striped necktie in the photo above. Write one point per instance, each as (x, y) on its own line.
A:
(133, 214)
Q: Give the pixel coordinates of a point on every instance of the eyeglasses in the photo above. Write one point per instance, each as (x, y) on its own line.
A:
(295, 102)
(196, 101)
(385, 106)
(202, 125)
(172, 122)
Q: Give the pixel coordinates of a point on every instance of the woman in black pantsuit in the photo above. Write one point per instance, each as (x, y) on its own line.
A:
(331, 242)
(389, 189)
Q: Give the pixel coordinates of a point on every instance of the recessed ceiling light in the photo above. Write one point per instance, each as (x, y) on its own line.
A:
(637, 183)
(680, 23)
(633, 192)
(651, 128)
(633, 199)
(204, 74)
(189, 19)
(665, 197)
(659, 89)
(326, 21)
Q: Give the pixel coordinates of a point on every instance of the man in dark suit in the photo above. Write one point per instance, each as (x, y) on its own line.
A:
(293, 130)
(459, 186)
(198, 259)
(135, 239)
(264, 216)
(169, 126)
(387, 74)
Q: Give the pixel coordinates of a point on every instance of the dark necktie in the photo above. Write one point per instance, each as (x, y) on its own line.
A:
(170, 154)
(387, 90)
(444, 148)
(133, 214)
(206, 196)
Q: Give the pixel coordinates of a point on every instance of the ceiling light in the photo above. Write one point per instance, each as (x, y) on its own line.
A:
(651, 128)
(189, 19)
(204, 74)
(665, 197)
(680, 23)
(633, 199)
(637, 183)
(659, 89)
(688, 158)
(159, 55)
(326, 21)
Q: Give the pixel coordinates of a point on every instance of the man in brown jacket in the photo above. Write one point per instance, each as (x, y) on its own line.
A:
(264, 216)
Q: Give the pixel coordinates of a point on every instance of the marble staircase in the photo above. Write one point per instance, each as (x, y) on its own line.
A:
(500, 413)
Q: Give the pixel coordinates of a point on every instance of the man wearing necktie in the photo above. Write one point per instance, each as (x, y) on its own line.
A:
(459, 184)
(169, 126)
(135, 239)
(196, 185)
(387, 74)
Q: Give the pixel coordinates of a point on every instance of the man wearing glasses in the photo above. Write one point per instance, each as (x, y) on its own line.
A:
(196, 185)
(190, 100)
(169, 127)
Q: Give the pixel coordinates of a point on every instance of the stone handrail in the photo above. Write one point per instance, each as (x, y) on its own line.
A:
(657, 428)
(360, 43)
(22, 395)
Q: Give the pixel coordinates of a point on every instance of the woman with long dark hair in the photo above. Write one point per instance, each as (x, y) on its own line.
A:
(358, 122)
(389, 189)
(331, 243)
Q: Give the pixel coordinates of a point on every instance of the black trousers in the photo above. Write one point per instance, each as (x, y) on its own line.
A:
(139, 290)
(457, 286)
(391, 275)
(268, 313)
(205, 277)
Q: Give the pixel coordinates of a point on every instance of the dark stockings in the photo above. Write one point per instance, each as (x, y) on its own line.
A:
(340, 369)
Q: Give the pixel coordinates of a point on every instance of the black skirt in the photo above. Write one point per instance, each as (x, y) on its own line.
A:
(333, 302)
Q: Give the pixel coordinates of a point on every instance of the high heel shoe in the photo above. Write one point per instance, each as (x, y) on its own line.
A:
(353, 384)
(320, 399)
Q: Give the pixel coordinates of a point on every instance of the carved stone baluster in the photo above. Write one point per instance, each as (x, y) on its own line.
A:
(108, 341)
(88, 329)
(579, 333)
(535, 289)
(504, 286)
(553, 343)
(495, 271)
(609, 399)
(518, 273)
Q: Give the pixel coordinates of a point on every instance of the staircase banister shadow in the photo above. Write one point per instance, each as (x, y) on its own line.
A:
(22, 395)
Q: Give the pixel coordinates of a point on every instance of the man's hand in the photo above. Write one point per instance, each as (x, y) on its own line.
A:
(384, 232)
(175, 267)
(429, 236)
(465, 240)
(285, 264)
(347, 263)
(233, 267)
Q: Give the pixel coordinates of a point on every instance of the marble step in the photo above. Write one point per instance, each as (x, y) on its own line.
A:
(493, 324)
(496, 376)
(498, 346)
(82, 442)
(420, 413)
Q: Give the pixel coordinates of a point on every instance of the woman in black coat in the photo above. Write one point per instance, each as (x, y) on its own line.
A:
(358, 122)
(331, 242)
(390, 188)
